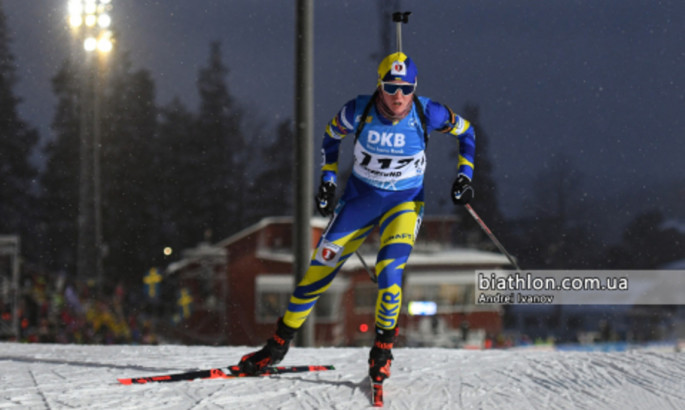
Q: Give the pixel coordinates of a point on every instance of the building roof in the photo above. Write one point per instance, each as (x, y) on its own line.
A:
(424, 255)
(315, 222)
(419, 258)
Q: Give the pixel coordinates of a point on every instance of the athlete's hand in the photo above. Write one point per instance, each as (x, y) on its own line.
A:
(324, 199)
(462, 191)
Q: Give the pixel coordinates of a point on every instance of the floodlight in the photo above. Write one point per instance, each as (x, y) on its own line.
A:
(105, 45)
(90, 44)
(75, 8)
(75, 20)
(94, 14)
(91, 19)
(90, 7)
(104, 20)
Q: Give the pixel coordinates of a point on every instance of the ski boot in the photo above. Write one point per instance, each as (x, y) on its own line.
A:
(272, 353)
(380, 356)
(380, 359)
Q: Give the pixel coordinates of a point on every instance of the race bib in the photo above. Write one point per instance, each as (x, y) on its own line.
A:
(389, 172)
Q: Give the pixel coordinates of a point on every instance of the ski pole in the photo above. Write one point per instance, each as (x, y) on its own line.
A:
(372, 276)
(491, 236)
(400, 17)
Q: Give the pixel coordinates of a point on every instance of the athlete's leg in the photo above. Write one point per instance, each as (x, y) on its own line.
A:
(398, 227)
(346, 232)
(352, 222)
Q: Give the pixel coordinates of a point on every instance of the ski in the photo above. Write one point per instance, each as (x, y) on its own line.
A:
(231, 372)
(376, 394)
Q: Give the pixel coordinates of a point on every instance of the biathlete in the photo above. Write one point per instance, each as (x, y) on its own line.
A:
(390, 129)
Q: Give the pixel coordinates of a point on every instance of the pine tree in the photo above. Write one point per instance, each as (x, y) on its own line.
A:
(130, 163)
(60, 179)
(181, 176)
(17, 140)
(221, 202)
(272, 192)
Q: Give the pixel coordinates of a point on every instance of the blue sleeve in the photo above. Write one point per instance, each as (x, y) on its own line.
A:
(338, 128)
(441, 118)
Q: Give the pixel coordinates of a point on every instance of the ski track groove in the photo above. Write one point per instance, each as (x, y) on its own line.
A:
(312, 396)
(639, 381)
(39, 389)
(64, 405)
(205, 398)
(582, 380)
(59, 375)
(521, 393)
(460, 392)
(319, 393)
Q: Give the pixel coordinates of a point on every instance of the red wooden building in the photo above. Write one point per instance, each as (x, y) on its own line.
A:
(237, 289)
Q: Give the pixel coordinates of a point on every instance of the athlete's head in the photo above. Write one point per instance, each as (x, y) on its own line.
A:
(397, 78)
(397, 67)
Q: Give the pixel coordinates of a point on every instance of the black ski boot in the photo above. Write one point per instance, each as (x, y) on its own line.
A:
(380, 356)
(272, 353)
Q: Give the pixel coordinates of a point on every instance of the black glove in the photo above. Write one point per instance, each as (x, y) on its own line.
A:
(324, 199)
(462, 191)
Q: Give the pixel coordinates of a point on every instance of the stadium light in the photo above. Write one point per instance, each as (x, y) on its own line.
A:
(91, 20)
(90, 44)
(105, 45)
(104, 20)
(75, 21)
(75, 9)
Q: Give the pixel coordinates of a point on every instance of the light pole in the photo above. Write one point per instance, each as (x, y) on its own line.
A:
(304, 118)
(90, 23)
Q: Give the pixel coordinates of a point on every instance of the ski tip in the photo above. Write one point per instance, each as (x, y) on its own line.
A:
(322, 367)
(125, 381)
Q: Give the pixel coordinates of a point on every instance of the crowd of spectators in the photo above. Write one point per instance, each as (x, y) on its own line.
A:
(54, 309)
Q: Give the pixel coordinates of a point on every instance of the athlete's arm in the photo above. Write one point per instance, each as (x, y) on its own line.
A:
(441, 118)
(338, 128)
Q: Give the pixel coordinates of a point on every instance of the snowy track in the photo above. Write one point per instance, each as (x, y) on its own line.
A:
(66, 376)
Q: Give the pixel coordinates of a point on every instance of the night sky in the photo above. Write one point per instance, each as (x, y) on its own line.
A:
(600, 83)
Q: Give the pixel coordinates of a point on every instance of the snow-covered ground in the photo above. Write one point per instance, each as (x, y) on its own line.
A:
(38, 376)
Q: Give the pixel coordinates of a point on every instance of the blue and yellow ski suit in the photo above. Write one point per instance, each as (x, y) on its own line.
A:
(385, 190)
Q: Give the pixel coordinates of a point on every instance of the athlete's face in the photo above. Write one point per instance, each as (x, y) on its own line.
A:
(399, 101)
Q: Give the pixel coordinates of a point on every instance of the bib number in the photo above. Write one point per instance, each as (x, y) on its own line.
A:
(387, 168)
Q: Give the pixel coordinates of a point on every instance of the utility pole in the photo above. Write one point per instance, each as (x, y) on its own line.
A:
(304, 121)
